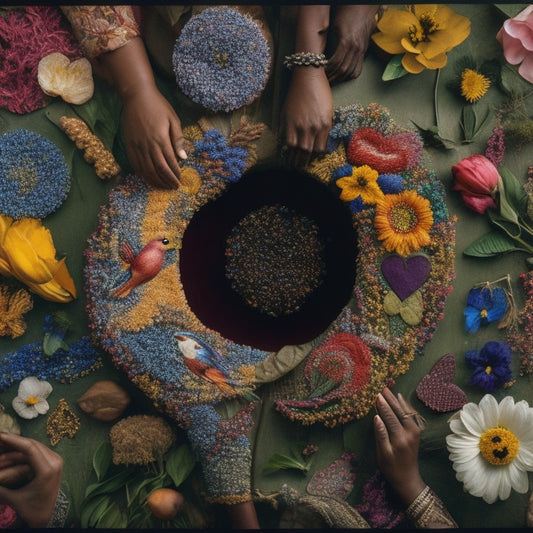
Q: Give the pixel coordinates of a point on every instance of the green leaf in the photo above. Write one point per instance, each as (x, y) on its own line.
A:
(469, 122)
(51, 343)
(179, 463)
(102, 459)
(431, 137)
(514, 193)
(110, 484)
(394, 69)
(491, 244)
(92, 506)
(279, 461)
(113, 518)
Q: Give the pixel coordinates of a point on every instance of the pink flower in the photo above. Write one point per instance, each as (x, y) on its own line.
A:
(516, 36)
(476, 178)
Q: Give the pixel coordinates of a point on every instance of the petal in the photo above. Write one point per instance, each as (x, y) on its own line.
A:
(28, 387)
(42, 407)
(526, 68)
(410, 64)
(504, 489)
(513, 50)
(518, 478)
(23, 409)
(489, 411)
(473, 419)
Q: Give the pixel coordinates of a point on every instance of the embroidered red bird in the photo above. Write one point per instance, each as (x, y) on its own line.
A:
(143, 267)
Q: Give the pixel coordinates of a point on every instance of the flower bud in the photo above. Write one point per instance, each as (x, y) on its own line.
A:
(476, 178)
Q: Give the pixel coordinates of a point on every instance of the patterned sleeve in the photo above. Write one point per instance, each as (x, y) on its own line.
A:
(428, 512)
(101, 29)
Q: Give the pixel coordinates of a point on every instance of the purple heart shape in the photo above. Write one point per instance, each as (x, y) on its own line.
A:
(405, 275)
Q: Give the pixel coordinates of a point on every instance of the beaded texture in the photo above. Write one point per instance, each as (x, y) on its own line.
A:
(305, 59)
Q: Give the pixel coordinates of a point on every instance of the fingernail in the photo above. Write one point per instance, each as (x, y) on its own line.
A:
(182, 153)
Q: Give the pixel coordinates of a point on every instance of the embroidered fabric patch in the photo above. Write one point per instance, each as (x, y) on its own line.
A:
(34, 176)
(221, 59)
(405, 263)
(436, 389)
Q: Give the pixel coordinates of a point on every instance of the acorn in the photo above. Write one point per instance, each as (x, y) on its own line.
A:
(105, 400)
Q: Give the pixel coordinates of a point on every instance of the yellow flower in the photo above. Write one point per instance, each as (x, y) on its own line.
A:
(27, 252)
(473, 85)
(423, 33)
(403, 222)
(363, 183)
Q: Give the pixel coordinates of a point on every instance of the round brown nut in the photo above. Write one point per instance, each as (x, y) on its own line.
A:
(105, 400)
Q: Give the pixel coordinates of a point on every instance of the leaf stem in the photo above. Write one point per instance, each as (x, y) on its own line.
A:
(435, 98)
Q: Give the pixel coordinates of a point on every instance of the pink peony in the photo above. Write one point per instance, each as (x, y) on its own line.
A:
(476, 178)
(516, 37)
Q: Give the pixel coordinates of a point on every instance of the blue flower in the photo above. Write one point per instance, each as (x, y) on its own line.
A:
(34, 177)
(221, 59)
(491, 366)
(390, 183)
(214, 145)
(484, 305)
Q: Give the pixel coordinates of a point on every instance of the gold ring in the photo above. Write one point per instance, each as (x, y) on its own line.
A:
(408, 414)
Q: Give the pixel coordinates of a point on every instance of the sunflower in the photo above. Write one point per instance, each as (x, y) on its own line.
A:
(423, 33)
(491, 447)
(362, 182)
(403, 222)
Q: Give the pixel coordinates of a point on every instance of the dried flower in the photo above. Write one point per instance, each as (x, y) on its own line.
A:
(7, 423)
(484, 305)
(140, 439)
(12, 308)
(73, 81)
(423, 33)
(362, 182)
(30, 401)
(491, 366)
(476, 178)
(474, 85)
(516, 37)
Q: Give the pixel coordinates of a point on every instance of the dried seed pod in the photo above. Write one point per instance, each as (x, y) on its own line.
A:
(104, 400)
(7, 423)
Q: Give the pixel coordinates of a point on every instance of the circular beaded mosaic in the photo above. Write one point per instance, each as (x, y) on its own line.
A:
(142, 306)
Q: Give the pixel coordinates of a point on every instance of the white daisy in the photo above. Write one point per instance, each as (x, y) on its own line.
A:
(30, 401)
(492, 447)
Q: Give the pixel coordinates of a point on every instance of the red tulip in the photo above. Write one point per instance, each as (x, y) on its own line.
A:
(476, 178)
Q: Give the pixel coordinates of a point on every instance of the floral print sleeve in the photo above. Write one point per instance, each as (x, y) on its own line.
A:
(428, 512)
(101, 29)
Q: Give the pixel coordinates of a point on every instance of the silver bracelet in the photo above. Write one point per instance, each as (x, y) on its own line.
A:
(305, 59)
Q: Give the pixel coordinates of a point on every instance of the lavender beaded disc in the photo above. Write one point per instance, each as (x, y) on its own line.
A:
(34, 176)
(221, 59)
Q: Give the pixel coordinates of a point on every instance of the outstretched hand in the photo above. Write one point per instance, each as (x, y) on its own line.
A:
(30, 477)
(353, 25)
(154, 140)
(397, 435)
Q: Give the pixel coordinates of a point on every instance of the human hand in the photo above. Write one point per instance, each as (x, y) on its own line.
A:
(397, 437)
(307, 115)
(22, 459)
(154, 140)
(353, 25)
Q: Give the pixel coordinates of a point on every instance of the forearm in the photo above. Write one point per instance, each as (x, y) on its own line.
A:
(427, 511)
(312, 28)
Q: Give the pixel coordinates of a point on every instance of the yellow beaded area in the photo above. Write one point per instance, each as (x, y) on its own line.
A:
(499, 446)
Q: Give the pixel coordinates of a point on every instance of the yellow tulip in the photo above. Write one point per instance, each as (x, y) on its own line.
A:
(423, 33)
(27, 252)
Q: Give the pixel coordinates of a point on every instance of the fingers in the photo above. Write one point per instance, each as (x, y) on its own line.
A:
(396, 412)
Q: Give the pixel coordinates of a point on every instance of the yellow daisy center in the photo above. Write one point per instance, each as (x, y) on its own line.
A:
(499, 446)
(32, 400)
(403, 217)
(473, 85)
(428, 25)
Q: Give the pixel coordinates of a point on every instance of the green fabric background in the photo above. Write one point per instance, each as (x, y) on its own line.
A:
(410, 99)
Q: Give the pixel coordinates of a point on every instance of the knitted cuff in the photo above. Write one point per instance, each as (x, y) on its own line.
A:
(59, 514)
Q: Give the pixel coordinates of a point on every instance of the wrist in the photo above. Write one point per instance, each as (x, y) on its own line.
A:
(410, 488)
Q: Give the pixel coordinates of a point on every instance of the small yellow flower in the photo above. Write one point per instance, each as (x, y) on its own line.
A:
(473, 85)
(363, 183)
(423, 33)
(403, 222)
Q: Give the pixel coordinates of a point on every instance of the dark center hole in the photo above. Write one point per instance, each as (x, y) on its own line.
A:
(271, 261)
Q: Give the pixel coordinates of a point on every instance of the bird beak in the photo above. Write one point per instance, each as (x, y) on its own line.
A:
(180, 337)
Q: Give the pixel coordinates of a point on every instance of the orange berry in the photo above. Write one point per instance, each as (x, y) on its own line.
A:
(165, 503)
